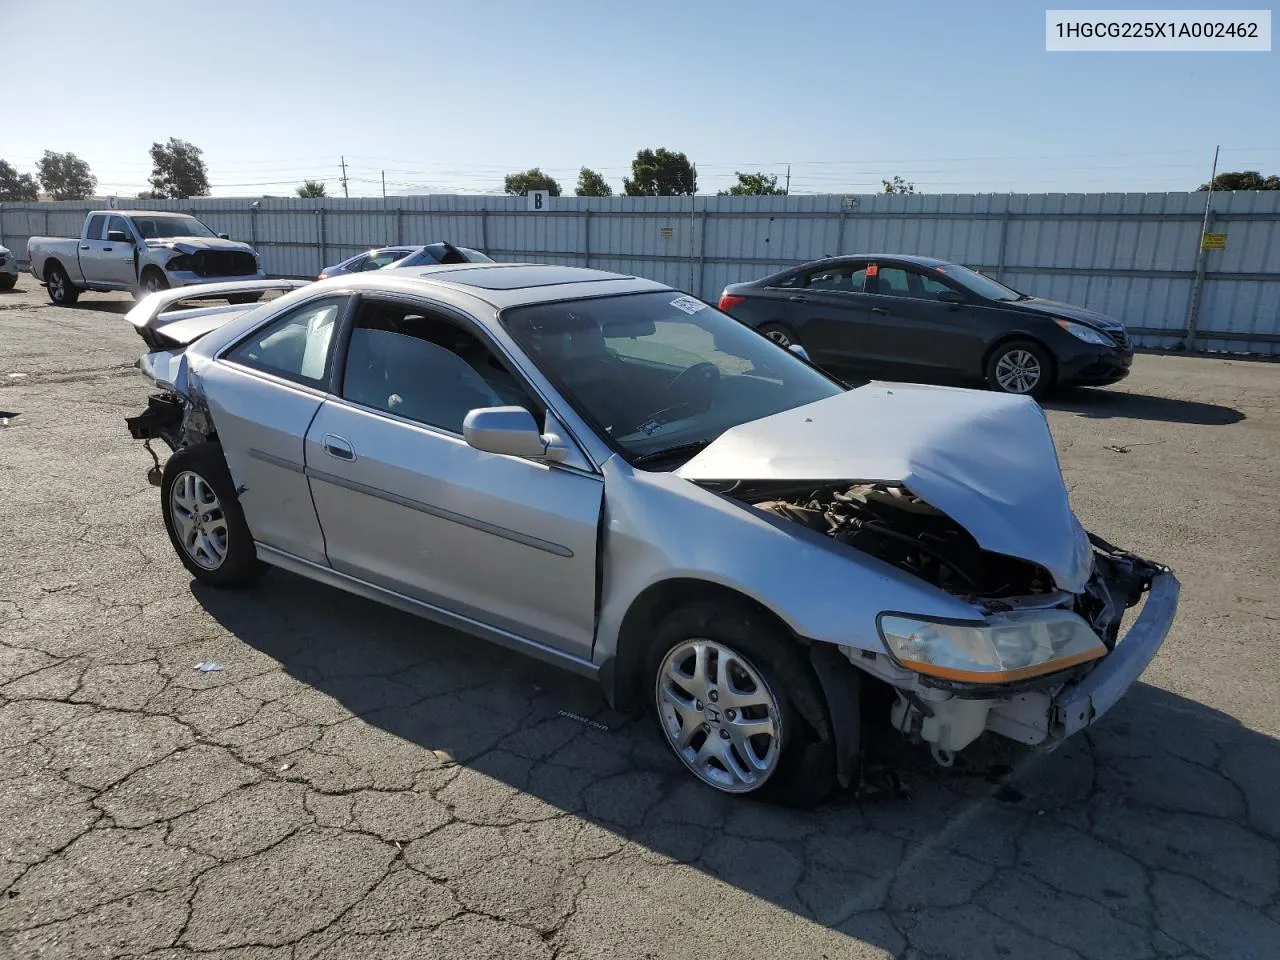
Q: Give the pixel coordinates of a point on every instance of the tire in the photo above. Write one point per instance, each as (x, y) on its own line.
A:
(152, 281)
(779, 333)
(244, 298)
(795, 762)
(203, 518)
(8, 281)
(61, 290)
(1021, 367)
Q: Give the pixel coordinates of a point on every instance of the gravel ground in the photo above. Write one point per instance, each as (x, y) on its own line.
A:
(355, 782)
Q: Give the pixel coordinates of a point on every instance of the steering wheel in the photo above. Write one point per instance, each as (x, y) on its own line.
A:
(706, 371)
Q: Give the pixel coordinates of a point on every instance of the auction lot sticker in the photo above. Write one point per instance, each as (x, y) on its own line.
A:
(1246, 31)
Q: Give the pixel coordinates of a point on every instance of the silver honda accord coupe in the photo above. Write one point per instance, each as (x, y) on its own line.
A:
(613, 476)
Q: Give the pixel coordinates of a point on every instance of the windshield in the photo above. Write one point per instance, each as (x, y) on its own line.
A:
(661, 374)
(159, 228)
(975, 282)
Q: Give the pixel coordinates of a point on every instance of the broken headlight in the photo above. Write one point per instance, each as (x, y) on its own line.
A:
(180, 262)
(1004, 648)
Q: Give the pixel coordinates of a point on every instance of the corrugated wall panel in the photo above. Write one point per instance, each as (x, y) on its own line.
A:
(1133, 256)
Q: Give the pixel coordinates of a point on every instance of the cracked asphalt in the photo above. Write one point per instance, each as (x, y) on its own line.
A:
(358, 783)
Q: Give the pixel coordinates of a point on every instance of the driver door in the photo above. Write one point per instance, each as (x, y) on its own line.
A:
(406, 504)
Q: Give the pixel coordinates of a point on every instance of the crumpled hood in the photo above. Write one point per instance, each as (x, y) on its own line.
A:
(196, 244)
(985, 459)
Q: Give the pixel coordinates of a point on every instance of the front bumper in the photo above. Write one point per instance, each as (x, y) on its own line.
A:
(1086, 700)
(1096, 365)
(1045, 718)
(188, 278)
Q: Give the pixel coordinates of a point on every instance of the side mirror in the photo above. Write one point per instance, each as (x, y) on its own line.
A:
(800, 351)
(512, 431)
(224, 236)
(118, 236)
(952, 296)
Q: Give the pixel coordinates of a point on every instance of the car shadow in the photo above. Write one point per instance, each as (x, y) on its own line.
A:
(1102, 404)
(1067, 840)
(120, 307)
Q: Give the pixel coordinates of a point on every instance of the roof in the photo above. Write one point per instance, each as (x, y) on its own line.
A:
(900, 257)
(139, 213)
(504, 285)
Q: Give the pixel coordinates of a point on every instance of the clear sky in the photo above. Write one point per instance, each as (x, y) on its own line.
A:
(449, 96)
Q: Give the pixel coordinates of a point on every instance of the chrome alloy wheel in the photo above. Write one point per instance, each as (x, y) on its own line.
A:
(151, 283)
(779, 337)
(719, 715)
(58, 285)
(1018, 371)
(199, 520)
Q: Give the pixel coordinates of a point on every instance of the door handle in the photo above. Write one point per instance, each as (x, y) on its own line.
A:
(798, 299)
(880, 310)
(84, 246)
(106, 249)
(335, 446)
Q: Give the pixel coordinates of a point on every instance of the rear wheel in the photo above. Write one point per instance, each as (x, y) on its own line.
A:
(7, 280)
(152, 281)
(1021, 367)
(61, 290)
(203, 518)
(725, 685)
(780, 334)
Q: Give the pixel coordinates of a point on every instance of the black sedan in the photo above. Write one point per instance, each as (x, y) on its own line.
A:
(928, 319)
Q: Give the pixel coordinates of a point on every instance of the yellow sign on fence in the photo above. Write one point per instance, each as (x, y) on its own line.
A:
(1214, 241)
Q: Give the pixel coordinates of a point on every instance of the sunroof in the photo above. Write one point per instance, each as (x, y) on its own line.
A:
(513, 277)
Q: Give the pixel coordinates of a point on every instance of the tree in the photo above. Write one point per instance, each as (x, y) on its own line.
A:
(65, 176)
(754, 185)
(592, 184)
(660, 173)
(311, 189)
(517, 184)
(15, 185)
(1243, 180)
(899, 186)
(177, 170)
(150, 195)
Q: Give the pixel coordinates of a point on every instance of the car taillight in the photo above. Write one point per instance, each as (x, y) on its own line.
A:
(729, 300)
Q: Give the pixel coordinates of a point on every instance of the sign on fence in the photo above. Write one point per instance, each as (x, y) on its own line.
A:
(1214, 241)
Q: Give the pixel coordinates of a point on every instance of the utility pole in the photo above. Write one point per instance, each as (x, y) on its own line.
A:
(384, 184)
(1197, 285)
(788, 179)
(344, 177)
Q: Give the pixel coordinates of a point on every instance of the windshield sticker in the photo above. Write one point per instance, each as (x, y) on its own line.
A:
(649, 426)
(688, 305)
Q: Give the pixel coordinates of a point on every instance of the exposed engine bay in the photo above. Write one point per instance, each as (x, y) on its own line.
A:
(894, 525)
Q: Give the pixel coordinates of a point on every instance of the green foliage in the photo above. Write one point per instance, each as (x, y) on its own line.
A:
(517, 184)
(178, 171)
(149, 195)
(1243, 180)
(592, 184)
(65, 176)
(754, 185)
(899, 186)
(660, 173)
(15, 185)
(311, 189)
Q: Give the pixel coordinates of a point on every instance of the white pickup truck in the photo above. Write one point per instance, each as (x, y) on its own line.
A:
(140, 251)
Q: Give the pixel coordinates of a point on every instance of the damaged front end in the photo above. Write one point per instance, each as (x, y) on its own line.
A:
(1038, 666)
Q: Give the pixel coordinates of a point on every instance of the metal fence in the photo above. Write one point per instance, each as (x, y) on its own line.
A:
(1136, 257)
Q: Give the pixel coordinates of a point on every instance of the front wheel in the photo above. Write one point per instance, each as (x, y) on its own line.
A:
(1021, 367)
(61, 290)
(203, 518)
(152, 281)
(725, 685)
(8, 281)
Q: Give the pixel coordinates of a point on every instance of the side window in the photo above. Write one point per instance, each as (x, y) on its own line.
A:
(118, 223)
(380, 260)
(425, 367)
(930, 288)
(848, 278)
(297, 346)
(892, 282)
(358, 264)
(94, 231)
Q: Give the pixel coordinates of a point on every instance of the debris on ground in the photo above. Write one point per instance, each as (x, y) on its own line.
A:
(209, 666)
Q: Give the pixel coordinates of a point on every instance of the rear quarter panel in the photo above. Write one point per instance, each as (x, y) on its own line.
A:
(66, 252)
